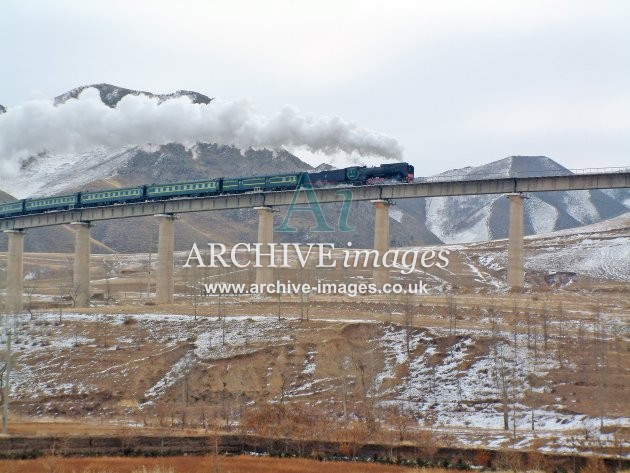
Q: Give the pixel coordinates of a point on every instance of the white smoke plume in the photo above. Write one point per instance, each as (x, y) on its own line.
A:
(79, 125)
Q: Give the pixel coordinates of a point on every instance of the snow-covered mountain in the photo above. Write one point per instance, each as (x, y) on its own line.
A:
(112, 94)
(414, 221)
(475, 218)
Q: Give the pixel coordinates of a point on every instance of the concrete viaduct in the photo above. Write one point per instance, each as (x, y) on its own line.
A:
(264, 202)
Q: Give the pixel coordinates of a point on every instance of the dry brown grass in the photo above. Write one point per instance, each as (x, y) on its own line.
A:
(238, 464)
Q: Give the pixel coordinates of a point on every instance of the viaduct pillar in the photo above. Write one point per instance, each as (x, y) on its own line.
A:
(81, 270)
(264, 274)
(15, 271)
(515, 270)
(381, 238)
(165, 286)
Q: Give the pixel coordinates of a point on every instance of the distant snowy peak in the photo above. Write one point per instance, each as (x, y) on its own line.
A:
(111, 94)
(2, 109)
(323, 167)
(511, 166)
(466, 219)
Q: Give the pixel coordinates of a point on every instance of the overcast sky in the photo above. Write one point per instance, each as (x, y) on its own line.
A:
(457, 83)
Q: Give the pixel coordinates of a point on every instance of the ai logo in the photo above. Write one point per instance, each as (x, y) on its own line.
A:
(315, 207)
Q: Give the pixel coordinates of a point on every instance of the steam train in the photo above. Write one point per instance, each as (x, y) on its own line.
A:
(354, 176)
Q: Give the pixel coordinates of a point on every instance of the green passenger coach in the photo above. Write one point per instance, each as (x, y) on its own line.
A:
(112, 195)
(158, 191)
(11, 208)
(36, 205)
(260, 183)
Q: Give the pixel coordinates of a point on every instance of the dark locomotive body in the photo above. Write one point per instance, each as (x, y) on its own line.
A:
(357, 175)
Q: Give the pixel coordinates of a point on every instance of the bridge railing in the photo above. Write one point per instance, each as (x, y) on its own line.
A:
(537, 173)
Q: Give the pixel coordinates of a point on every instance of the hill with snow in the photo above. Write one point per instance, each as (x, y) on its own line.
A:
(414, 221)
(478, 218)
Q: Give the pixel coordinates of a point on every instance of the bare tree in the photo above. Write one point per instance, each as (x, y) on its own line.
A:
(451, 309)
(502, 372)
(544, 315)
(408, 312)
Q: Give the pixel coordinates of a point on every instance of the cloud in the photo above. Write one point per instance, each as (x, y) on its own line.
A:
(85, 123)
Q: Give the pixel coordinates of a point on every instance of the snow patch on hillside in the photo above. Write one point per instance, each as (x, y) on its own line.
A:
(608, 259)
(441, 218)
(580, 206)
(54, 174)
(542, 215)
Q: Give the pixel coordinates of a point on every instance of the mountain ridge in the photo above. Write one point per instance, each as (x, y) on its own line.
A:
(436, 220)
(112, 94)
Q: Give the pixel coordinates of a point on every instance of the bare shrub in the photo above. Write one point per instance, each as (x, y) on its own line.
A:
(510, 460)
(594, 465)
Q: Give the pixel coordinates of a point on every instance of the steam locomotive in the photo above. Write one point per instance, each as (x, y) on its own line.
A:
(354, 176)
